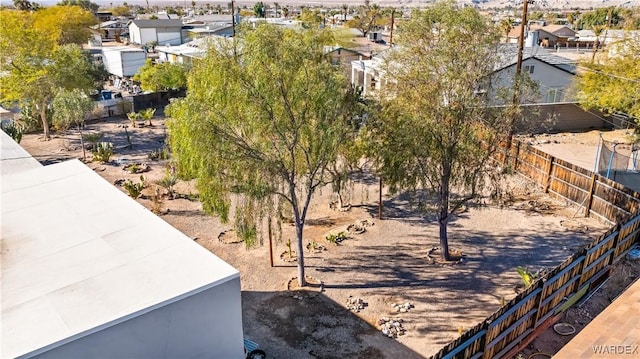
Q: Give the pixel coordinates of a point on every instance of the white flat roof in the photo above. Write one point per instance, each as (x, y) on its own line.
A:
(14, 158)
(79, 256)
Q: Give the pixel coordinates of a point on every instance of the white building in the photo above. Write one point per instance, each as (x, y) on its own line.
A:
(88, 272)
(186, 53)
(162, 32)
(123, 61)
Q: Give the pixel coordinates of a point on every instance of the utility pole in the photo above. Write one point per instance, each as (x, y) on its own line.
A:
(516, 83)
(523, 25)
(233, 29)
(393, 16)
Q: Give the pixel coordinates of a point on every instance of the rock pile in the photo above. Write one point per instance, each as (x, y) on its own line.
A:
(391, 327)
(355, 304)
(402, 308)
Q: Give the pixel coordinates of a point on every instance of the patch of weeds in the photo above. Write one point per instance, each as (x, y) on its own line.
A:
(102, 151)
(14, 130)
(134, 189)
(159, 154)
(336, 238)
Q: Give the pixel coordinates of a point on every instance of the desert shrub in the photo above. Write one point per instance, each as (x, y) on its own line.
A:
(168, 181)
(102, 151)
(14, 130)
(336, 238)
(134, 189)
(159, 154)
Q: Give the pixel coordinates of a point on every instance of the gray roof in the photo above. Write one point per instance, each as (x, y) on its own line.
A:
(158, 23)
(509, 56)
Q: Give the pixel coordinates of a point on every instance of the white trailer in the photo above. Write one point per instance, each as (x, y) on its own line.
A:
(123, 61)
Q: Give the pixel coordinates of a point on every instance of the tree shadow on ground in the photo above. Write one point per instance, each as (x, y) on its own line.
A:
(314, 327)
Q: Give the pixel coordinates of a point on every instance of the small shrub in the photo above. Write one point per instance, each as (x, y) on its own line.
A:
(168, 181)
(159, 154)
(527, 276)
(336, 238)
(102, 151)
(14, 130)
(289, 248)
(93, 138)
(156, 201)
(133, 117)
(134, 189)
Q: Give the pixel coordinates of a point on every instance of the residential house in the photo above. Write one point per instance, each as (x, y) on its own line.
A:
(104, 15)
(219, 29)
(545, 36)
(113, 29)
(87, 272)
(161, 32)
(552, 73)
(342, 57)
(187, 53)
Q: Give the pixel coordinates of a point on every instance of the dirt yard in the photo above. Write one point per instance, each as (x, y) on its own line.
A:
(385, 266)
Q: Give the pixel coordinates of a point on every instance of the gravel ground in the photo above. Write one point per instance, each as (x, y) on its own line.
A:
(386, 265)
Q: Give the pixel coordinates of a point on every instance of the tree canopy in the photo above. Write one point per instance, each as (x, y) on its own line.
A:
(435, 132)
(262, 127)
(161, 77)
(613, 85)
(366, 19)
(39, 57)
(85, 4)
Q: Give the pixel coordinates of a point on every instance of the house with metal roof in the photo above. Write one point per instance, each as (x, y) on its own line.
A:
(162, 32)
(87, 272)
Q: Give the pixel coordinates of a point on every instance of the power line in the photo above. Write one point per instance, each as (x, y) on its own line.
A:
(610, 74)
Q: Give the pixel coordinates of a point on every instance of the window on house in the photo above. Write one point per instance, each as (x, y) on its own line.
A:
(555, 95)
(529, 69)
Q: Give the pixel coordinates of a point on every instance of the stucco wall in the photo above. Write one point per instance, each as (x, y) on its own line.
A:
(205, 325)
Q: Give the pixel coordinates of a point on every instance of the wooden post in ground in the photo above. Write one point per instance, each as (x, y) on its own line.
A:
(549, 171)
(380, 198)
(592, 188)
(270, 242)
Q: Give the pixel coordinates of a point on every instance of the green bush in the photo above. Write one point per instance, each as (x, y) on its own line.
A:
(14, 130)
(102, 151)
(134, 189)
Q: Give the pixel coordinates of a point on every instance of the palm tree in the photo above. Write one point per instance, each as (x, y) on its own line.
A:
(505, 26)
(275, 4)
(22, 4)
(345, 7)
(597, 29)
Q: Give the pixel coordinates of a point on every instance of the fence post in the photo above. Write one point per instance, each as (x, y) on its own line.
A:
(517, 157)
(549, 170)
(592, 188)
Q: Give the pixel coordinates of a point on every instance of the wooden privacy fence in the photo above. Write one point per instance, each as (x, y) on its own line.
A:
(548, 295)
(565, 284)
(596, 195)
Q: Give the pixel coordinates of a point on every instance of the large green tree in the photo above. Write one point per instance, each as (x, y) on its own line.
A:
(613, 84)
(262, 127)
(366, 19)
(436, 133)
(71, 108)
(39, 58)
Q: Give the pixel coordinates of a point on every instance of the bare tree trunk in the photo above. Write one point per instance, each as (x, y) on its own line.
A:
(443, 209)
(300, 254)
(84, 154)
(45, 123)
